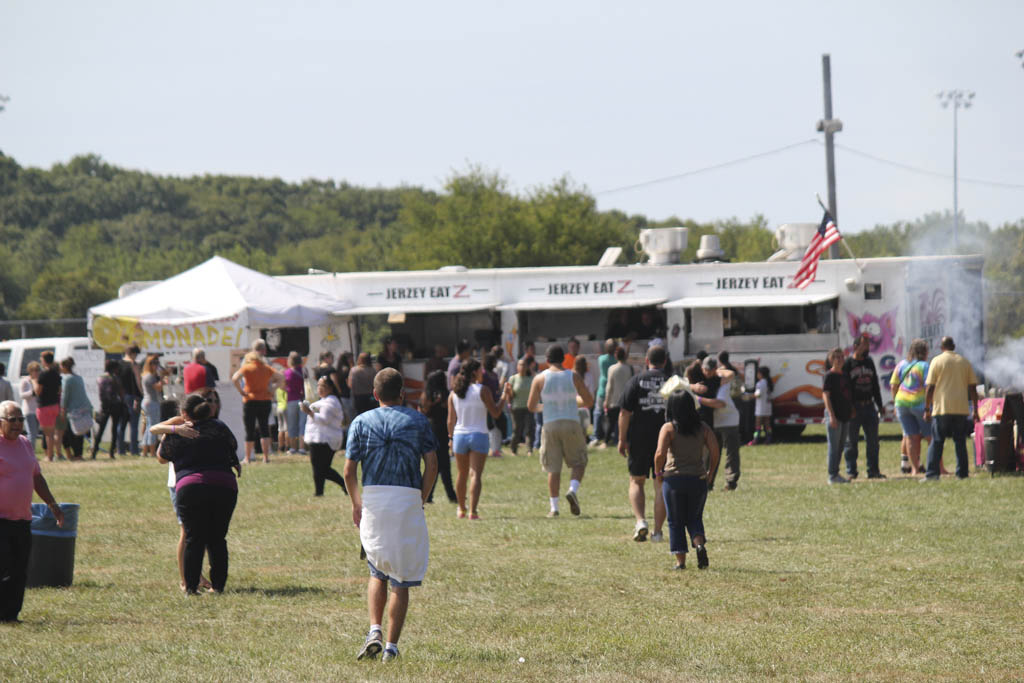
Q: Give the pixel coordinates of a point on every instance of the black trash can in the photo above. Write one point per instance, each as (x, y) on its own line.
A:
(991, 441)
(52, 559)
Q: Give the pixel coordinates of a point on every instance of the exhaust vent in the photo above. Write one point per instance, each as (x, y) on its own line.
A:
(710, 249)
(662, 245)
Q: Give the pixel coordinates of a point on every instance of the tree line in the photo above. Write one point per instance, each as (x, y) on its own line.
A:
(71, 235)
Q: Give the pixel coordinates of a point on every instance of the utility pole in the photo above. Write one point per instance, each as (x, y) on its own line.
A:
(830, 127)
(959, 99)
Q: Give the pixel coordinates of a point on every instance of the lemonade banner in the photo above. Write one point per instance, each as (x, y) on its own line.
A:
(114, 334)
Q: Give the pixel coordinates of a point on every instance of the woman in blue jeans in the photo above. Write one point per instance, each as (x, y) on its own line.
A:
(681, 469)
(838, 396)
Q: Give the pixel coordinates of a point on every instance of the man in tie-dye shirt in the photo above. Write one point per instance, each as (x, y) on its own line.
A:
(390, 443)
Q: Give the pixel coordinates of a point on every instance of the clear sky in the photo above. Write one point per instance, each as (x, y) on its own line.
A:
(610, 93)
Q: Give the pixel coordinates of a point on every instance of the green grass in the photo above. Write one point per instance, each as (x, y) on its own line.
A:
(876, 580)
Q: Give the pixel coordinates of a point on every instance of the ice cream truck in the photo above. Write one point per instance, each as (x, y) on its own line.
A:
(748, 309)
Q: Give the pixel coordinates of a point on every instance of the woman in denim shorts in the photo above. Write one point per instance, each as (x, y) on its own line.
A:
(468, 408)
(908, 390)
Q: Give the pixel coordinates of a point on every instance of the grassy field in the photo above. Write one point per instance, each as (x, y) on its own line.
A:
(876, 580)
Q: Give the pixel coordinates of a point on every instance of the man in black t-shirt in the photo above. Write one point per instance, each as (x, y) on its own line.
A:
(867, 409)
(132, 384)
(640, 422)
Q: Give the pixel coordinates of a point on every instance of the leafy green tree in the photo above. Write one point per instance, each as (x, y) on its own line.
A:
(477, 222)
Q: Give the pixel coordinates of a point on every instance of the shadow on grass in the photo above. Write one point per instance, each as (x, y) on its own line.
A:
(821, 438)
(764, 539)
(280, 591)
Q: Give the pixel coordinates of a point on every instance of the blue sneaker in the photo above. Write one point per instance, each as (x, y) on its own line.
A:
(373, 645)
(390, 654)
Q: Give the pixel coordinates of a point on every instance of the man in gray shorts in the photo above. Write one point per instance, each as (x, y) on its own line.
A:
(554, 393)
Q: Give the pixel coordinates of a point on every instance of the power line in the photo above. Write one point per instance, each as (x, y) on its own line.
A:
(785, 148)
(924, 171)
(705, 169)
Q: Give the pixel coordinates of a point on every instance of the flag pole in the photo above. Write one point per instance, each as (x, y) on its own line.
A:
(841, 238)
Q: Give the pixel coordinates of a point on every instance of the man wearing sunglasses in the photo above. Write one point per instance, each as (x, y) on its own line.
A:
(19, 476)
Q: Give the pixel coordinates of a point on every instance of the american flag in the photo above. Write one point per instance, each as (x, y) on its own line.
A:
(827, 235)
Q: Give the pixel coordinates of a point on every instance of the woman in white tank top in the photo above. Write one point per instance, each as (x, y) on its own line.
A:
(468, 408)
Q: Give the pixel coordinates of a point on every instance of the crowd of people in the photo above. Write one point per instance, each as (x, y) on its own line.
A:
(932, 403)
(669, 430)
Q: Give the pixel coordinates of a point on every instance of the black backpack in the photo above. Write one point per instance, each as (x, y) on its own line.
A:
(110, 393)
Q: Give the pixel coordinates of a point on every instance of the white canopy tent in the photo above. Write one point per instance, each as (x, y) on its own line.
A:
(220, 289)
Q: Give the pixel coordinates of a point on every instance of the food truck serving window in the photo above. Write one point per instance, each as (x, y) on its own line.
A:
(421, 332)
(816, 318)
(283, 340)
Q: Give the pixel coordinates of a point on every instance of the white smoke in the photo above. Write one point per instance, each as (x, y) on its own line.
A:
(1004, 366)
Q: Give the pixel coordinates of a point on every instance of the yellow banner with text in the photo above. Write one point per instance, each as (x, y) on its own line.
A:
(115, 334)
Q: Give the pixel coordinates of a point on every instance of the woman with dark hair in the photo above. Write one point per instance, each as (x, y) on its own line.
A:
(581, 368)
(173, 422)
(434, 404)
(111, 404)
(323, 434)
(469, 404)
(206, 489)
(680, 467)
(838, 396)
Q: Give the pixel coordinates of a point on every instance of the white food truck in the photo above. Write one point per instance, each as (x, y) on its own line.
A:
(748, 309)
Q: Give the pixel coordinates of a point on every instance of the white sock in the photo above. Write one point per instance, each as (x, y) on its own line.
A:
(391, 646)
(375, 627)
(574, 485)
(554, 504)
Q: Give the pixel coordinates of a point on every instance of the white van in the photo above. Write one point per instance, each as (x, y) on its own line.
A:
(16, 354)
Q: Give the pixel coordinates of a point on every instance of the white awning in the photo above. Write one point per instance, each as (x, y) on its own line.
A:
(576, 304)
(750, 300)
(424, 307)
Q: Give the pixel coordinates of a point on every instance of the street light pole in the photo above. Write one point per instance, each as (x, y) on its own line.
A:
(964, 99)
(830, 126)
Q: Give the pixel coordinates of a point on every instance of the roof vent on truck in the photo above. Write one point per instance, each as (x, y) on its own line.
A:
(662, 245)
(710, 250)
(793, 240)
(453, 269)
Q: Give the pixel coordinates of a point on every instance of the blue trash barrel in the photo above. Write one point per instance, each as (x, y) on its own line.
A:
(51, 561)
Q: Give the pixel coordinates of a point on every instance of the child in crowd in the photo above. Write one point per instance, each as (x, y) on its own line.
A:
(281, 415)
(763, 407)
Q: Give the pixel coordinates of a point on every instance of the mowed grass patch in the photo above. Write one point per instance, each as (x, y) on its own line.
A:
(878, 579)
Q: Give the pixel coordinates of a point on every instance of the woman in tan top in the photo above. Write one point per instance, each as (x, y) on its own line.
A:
(683, 473)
